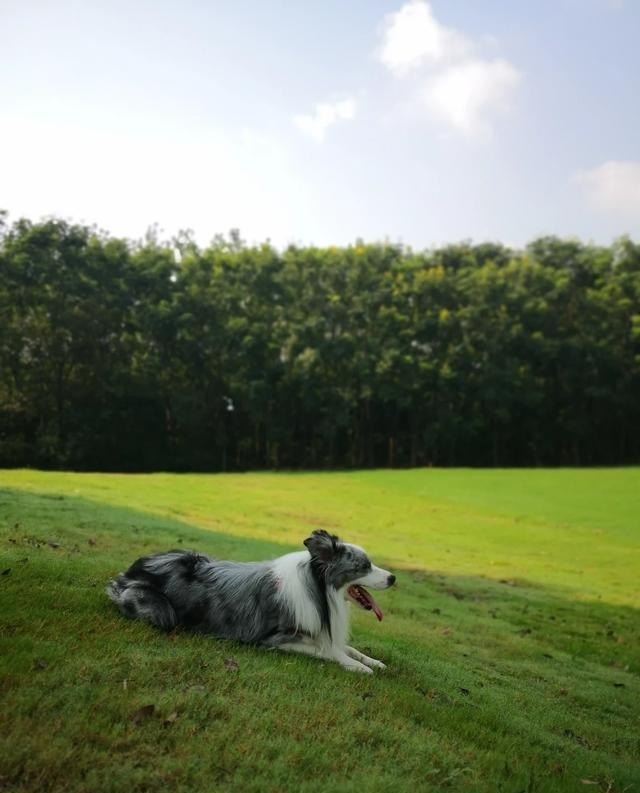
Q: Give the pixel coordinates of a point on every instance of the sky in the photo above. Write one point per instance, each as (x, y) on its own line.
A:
(324, 121)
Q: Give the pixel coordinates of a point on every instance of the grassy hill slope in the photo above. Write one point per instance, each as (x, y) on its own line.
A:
(512, 639)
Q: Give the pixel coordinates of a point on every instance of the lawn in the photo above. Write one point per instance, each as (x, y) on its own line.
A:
(512, 639)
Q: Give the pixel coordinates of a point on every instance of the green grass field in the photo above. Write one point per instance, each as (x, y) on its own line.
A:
(512, 639)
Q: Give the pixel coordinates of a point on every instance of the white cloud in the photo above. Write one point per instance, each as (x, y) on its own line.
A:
(612, 187)
(325, 115)
(458, 87)
(465, 95)
(412, 36)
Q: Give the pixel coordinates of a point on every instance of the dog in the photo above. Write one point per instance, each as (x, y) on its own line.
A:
(297, 603)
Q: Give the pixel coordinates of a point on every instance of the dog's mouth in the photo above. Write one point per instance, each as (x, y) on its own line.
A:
(366, 601)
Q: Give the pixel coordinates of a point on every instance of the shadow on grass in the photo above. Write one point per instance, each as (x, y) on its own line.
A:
(86, 541)
(478, 669)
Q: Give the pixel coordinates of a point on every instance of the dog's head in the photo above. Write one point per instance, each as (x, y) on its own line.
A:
(348, 569)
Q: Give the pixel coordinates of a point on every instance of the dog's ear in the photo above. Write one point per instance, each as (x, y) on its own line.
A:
(322, 545)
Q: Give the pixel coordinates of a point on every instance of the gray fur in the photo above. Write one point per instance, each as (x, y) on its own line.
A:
(234, 600)
(347, 565)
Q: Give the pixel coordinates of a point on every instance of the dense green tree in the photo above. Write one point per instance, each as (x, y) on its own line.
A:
(123, 356)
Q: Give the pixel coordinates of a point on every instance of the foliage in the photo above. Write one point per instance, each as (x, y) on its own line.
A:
(136, 356)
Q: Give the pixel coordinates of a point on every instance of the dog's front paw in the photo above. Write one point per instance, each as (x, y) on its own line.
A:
(375, 664)
(358, 668)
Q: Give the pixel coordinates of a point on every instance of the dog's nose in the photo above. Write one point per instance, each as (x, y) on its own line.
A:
(391, 580)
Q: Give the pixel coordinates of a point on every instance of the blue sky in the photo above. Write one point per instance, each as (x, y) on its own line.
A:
(321, 122)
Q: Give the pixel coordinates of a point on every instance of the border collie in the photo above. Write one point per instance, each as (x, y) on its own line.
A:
(298, 602)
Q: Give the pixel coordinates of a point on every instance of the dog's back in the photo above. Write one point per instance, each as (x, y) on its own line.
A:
(236, 600)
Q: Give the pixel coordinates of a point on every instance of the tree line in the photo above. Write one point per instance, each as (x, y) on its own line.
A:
(154, 355)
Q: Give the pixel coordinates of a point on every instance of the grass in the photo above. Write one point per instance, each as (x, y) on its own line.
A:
(512, 640)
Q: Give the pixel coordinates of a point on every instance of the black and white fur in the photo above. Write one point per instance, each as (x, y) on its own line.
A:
(298, 602)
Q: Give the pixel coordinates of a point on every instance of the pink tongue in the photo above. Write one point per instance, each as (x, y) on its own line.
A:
(372, 602)
(377, 609)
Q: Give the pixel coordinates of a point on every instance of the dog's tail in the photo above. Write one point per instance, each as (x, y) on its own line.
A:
(140, 600)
